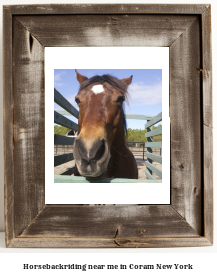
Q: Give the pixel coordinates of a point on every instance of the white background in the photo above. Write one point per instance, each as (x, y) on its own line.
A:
(204, 258)
(103, 193)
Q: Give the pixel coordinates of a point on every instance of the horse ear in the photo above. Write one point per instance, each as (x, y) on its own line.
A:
(81, 78)
(127, 80)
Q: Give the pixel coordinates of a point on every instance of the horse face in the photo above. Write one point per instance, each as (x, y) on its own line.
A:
(100, 120)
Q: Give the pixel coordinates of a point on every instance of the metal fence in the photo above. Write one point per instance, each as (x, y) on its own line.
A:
(139, 147)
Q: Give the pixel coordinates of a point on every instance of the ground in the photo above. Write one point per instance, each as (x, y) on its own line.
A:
(137, 152)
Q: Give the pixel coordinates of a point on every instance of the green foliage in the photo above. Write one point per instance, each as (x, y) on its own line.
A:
(138, 135)
(134, 135)
(61, 130)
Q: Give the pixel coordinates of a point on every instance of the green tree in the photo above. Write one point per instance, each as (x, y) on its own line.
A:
(138, 135)
(61, 130)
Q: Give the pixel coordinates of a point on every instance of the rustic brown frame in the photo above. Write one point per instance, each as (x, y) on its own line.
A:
(188, 221)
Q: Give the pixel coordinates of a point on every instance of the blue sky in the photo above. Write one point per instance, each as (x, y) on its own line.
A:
(145, 90)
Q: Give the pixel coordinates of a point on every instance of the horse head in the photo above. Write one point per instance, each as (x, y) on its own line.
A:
(101, 122)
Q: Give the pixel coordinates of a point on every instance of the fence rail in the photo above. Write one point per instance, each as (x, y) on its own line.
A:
(154, 120)
(154, 169)
(61, 120)
(71, 179)
(154, 132)
(65, 104)
(68, 171)
(138, 117)
(157, 145)
(150, 145)
(62, 158)
(149, 176)
(154, 157)
(63, 140)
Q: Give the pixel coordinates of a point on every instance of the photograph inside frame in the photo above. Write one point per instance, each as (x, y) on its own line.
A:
(118, 133)
(108, 125)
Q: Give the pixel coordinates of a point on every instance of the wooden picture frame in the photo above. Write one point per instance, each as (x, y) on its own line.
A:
(188, 220)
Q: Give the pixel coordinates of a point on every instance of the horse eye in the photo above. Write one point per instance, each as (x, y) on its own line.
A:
(77, 100)
(120, 99)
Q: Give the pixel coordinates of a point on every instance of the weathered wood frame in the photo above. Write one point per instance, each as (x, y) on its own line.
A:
(186, 29)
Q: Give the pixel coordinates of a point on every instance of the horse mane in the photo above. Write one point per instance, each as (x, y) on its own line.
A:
(114, 82)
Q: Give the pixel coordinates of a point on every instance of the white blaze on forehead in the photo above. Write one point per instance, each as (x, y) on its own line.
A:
(97, 89)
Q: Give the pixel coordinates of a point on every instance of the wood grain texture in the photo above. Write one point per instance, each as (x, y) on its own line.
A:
(106, 9)
(185, 115)
(206, 68)
(69, 242)
(8, 125)
(109, 222)
(189, 219)
(29, 133)
(207, 123)
(107, 30)
(208, 184)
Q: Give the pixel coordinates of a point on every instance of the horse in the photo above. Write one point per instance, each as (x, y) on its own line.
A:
(101, 149)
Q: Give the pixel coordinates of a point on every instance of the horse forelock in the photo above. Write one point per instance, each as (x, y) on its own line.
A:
(113, 81)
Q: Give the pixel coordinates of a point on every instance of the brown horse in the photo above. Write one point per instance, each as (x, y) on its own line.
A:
(101, 150)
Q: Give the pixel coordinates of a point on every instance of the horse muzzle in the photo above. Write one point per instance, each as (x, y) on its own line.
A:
(91, 158)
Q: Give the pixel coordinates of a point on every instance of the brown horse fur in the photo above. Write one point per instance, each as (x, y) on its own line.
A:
(101, 150)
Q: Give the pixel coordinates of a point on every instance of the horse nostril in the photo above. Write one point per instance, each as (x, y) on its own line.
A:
(90, 156)
(101, 150)
(80, 146)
